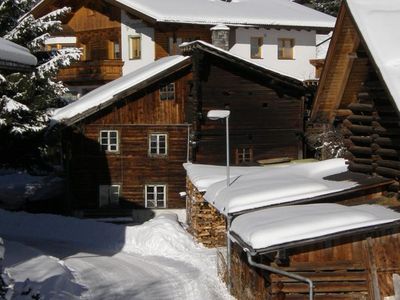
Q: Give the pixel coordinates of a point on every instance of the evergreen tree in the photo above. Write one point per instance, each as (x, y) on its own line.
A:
(26, 99)
(330, 7)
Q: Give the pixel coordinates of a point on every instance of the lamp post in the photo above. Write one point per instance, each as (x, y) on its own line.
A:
(216, 115)
(223, 114)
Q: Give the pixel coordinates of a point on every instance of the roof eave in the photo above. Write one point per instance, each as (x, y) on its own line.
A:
(305, 242)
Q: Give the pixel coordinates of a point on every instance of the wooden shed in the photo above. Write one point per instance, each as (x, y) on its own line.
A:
(210, 204)
(345, 262)
(358, 91)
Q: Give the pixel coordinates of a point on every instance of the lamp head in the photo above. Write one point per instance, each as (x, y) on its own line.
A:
(218, 114)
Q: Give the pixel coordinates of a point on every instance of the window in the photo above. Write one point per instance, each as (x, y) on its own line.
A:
(285, 48)
(167, 92)
(85, 52)
(108, 195)
(256, 47)
(109, 140)
(155, 195)
(114, 50)
(134, 47)
(243, 155)
(158, 144)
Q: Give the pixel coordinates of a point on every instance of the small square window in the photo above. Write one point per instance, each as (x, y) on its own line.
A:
(158, 144)
(155, 195)
(243, 155)
(167, 92)
(109, 140)
(285, 48)
(109, 195)
(256, 47)
(134, 47)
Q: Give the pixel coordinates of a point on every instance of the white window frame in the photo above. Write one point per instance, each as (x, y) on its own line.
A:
(108, 191)
(244, 155)
(152, 202)
(157, 146)
(134, 56)
(167, 92)
(106, 141)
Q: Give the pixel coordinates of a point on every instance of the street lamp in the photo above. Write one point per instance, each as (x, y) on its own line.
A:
(223, 114)
(216, 115)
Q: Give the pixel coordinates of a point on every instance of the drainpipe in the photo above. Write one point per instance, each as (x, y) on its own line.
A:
(228, 251)
(281, 272)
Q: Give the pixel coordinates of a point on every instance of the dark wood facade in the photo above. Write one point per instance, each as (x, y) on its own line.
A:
(359, 267)
(266, 118)
(266, 113)
(135, 117)
(353, 97)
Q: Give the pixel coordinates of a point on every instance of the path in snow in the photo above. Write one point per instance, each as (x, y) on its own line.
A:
(158, 260)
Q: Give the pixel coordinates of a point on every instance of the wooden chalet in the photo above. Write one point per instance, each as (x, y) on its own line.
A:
(358, 91)
(118, 37)
(127, 140)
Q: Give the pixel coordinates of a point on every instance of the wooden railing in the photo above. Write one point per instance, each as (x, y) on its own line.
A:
(84, 71)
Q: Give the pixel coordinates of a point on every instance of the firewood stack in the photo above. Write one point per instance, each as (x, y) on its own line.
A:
(206, 224)
(373, 132)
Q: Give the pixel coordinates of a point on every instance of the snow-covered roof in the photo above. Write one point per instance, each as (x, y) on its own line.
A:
(110, 92)
(237, 12)
(282, 225)
(377, 22)
(14, 53)
(203, 176)
(278, 185)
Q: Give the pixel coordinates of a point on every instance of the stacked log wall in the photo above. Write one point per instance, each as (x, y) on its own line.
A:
(206, 224)
(372, 131)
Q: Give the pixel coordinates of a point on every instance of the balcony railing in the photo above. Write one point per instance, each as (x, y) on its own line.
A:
(91, 71)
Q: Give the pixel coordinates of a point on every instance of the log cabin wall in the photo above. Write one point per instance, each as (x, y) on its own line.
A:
(264, 120)
(348, 268)
(373, 131)
(132, 167)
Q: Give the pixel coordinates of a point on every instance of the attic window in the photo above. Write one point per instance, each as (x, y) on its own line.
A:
(167, 92)
(243, 155)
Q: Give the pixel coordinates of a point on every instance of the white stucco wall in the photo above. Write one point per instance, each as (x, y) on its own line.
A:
(136, 27)
(304, 50)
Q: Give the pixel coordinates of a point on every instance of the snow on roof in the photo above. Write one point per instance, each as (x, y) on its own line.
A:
(244, 12)
(377, 22)
(102, 96)
(15, 53)
(280, 225)
(202, 176)
(236, 12)
(278, 185)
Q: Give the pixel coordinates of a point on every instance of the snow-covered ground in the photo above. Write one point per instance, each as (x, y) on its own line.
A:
(67, 258)
(18, 187)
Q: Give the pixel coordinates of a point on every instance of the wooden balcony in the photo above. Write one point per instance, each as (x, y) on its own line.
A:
(85, 72)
